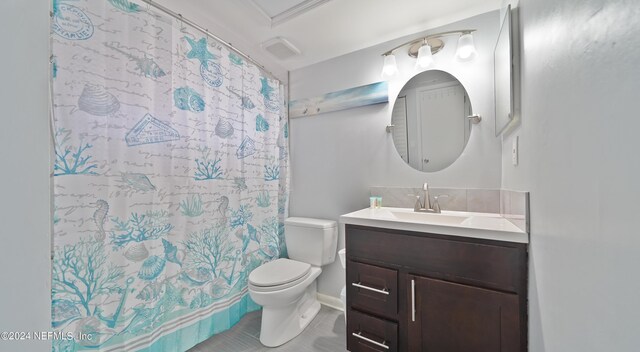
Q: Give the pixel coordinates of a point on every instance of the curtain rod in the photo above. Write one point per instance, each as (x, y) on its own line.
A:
(209, 34)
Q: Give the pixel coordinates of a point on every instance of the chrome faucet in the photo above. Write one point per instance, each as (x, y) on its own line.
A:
(427, 199)
(425, 205)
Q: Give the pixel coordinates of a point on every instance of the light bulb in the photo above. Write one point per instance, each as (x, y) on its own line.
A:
(425, 57)
(390, 68)
(466, 49)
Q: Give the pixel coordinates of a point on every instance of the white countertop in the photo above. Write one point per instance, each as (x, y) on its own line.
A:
(454, 223)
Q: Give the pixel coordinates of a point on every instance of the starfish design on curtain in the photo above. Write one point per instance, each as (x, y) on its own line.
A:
(266, 88)
(199, 51)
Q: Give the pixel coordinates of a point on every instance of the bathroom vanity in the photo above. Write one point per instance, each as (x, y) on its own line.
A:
(435, 282)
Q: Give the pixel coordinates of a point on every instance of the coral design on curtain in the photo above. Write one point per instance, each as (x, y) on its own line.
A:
(171, 178)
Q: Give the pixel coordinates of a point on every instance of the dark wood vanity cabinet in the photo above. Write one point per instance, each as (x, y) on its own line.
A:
(409, 291)
(455, 317)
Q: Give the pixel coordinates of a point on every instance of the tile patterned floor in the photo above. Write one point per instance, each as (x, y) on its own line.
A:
(326, 333)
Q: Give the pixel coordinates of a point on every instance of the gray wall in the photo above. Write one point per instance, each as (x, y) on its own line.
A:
(579, 158)
(336, 157)
(24, 182)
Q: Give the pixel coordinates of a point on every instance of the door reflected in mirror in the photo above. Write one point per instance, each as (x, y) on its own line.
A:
(430, 121)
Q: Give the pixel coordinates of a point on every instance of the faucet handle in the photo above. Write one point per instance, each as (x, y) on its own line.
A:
(418, 203)
(436, 204)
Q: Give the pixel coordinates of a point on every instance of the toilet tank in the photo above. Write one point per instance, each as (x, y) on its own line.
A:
(312, 241)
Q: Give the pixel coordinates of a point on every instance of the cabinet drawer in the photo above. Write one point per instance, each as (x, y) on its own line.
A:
(366, 333)
(372, 289)
(485, 263)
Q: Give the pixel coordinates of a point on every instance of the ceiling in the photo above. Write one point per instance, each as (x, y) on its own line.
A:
(328, 29)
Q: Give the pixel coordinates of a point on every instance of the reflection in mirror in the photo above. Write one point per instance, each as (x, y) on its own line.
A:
(429, 118)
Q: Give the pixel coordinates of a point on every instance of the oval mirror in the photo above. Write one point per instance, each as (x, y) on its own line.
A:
(430, 121)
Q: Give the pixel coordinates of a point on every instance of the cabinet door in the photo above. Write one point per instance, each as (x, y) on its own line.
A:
(450, 317)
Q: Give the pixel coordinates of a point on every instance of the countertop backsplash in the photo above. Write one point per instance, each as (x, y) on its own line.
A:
(513, 205)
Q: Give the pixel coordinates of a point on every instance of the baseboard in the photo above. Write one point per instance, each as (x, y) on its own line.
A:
(330, 301)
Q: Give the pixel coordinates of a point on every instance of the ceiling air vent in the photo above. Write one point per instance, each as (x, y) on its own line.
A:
(280, 48)
(279, 11)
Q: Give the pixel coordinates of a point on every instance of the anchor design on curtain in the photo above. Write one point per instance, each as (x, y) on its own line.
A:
(171, 179)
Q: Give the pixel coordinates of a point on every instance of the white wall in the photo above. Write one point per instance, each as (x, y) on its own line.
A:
(25, 292)
(336, 157)
(579, 159)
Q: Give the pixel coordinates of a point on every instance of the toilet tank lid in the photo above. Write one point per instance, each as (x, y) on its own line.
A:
(309, 222)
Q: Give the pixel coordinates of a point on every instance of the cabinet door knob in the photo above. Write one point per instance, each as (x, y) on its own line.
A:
(380, 344)
(384, 291)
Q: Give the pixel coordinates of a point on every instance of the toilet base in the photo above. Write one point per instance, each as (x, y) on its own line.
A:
(281, 324)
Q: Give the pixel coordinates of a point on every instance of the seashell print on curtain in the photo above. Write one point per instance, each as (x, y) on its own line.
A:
(171, 179)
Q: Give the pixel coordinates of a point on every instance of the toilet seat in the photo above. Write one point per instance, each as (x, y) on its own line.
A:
(278, 274)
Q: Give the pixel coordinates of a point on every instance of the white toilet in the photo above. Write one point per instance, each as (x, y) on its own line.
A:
(286, 288)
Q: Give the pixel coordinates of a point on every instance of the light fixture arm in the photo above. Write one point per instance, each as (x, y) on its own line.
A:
(430, 36)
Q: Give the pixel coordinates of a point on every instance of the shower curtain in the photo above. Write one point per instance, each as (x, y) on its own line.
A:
(170, 178)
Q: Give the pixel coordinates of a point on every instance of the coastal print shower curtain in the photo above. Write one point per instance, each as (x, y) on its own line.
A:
(170, 178)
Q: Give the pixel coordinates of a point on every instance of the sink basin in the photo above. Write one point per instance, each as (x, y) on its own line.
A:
(444, 219)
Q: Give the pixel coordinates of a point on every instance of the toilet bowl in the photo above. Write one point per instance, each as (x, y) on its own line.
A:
(288, 307)
(286, 288)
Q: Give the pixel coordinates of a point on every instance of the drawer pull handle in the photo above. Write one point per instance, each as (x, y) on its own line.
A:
(380, 344)
(384, 291)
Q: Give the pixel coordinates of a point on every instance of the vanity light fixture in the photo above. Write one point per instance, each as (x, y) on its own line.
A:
(389, 69)
(424, 48)
(466, 49)
(425, 56)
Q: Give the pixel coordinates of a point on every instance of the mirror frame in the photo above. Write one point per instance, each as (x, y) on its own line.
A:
(505, 38)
